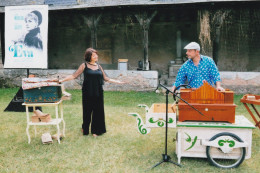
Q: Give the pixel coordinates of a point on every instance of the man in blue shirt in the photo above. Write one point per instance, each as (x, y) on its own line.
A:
(198, 69)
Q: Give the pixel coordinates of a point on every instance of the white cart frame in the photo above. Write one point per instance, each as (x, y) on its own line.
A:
(218, 141)
(194, 139)
(54, 121)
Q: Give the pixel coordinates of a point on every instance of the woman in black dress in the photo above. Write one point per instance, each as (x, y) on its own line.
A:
(92, 93)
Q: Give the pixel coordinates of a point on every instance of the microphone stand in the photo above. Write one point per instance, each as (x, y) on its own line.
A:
(166, 157)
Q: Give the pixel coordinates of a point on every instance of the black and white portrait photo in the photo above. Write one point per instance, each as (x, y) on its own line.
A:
(26, 31)
(33, 38)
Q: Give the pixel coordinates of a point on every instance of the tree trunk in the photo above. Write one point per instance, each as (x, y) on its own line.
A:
(92, 22)
(145, 21)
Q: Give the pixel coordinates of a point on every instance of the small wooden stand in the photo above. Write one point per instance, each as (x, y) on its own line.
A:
(252, 99)
(54, 121)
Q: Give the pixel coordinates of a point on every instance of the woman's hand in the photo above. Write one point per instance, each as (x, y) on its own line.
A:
(116, 81)
(121, 82)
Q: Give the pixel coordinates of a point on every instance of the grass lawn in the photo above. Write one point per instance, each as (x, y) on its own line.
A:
(121, 149)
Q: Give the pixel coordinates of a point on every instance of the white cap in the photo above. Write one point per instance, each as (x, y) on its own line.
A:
(192, 45)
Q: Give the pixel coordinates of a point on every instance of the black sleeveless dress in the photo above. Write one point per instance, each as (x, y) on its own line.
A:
(93, 102)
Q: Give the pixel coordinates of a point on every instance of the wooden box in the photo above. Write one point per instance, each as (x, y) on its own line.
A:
(156, 116)
(211, 112)
(45, 119)
(48, 94)
(37, 119)
(214, 105)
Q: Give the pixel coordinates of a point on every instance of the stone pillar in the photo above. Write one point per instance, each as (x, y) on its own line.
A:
(177, 63)
(173, 71)
(178, 60)
(145, 21)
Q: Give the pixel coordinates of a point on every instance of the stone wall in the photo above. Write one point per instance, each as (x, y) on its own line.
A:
(136, 80)
(239, 82)
(119, 36)
(239, 35)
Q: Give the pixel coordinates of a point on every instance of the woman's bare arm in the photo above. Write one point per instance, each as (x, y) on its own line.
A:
(107, 79)
(74, 75)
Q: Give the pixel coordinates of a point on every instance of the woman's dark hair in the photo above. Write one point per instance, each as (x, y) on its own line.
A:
(39, 15)
(88, 54)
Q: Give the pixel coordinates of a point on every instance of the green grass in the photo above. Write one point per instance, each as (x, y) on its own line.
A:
(121, 149)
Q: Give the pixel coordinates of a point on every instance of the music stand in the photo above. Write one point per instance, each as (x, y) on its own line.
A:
(165, 156)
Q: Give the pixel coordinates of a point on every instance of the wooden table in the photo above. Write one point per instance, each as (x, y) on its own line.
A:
(54, 121)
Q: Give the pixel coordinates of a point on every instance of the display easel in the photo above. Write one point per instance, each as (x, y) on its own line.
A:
(16, 103)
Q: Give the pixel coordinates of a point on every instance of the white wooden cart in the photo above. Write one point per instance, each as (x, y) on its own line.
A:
(226, 145)
(155, 117)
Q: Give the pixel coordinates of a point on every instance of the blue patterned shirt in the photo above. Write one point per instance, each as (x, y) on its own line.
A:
(206, 70)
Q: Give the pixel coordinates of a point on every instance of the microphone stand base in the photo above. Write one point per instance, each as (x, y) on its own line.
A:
(166, 158)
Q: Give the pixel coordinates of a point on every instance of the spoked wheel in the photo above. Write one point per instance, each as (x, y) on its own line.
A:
(222, 158)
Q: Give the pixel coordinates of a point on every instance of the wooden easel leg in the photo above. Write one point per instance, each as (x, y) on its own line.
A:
(252, 115)
(258, 123)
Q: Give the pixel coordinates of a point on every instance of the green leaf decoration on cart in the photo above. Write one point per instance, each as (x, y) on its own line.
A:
(140, 125)
(142, 128)
(154, 117)
(231, 142)
(160, 122)
(192, 142)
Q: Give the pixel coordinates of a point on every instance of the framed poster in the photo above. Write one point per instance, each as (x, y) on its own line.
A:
(26, 31)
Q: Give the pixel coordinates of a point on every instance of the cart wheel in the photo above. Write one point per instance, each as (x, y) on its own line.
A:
(226, 160)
